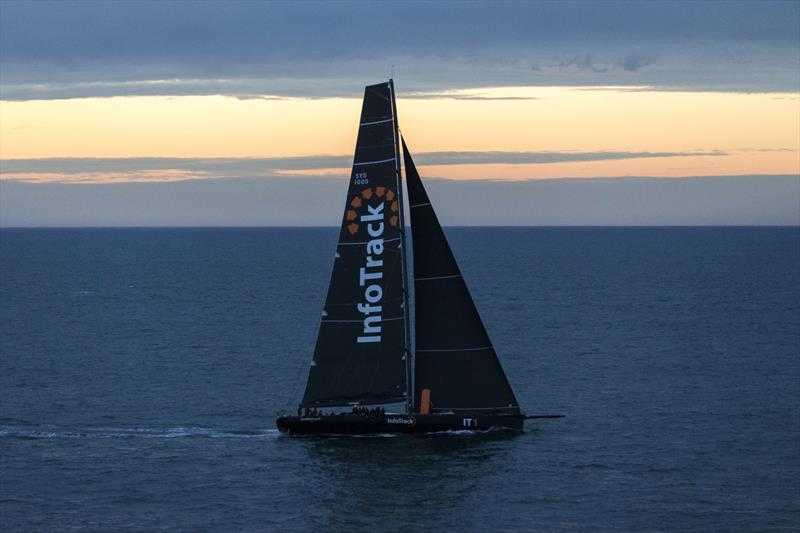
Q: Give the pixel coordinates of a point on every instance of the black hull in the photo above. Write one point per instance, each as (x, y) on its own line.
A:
(412, 424)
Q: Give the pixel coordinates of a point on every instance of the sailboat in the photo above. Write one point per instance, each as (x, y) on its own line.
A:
(363, 361)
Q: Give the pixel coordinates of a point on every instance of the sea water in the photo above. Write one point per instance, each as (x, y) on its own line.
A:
(141, 372)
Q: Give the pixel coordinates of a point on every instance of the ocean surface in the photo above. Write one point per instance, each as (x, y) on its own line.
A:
(141, 372)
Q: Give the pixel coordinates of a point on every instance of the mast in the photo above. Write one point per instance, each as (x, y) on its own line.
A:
(408, 355)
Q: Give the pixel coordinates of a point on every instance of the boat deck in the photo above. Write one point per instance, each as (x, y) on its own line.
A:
(357, 424)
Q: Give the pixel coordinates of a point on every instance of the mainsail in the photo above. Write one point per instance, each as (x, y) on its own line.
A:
(454, 357)
(360, 355)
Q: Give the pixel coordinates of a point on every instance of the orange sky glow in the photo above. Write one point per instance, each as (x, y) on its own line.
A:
(756, 133)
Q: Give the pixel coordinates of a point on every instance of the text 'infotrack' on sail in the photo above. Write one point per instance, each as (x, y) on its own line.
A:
(370, 273)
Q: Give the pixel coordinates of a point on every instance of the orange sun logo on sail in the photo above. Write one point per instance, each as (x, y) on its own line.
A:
(360, 200)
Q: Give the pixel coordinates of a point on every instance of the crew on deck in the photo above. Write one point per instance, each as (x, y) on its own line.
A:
(312, 412)
(363, 411)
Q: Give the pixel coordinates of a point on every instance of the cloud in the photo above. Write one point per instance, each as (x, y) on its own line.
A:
(75, 49)
(144, 169)
(315, 201)
(634, 62)
(583, 63)
(458, 95)
(528, 158)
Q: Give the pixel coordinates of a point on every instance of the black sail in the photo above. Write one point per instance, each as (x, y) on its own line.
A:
(360, 350)
(454, 356)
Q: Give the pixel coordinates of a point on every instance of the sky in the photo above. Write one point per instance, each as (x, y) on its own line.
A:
(241, 113)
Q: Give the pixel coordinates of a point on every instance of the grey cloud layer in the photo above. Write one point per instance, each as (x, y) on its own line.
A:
(69, 49)
(266, 166)
(733, 200)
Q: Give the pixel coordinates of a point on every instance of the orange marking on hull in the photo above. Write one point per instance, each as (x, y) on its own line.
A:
(356, 202)
(353, 229)
(425, 402)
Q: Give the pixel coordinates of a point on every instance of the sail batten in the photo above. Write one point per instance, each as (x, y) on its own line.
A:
(455, 359)
(365, 242)
(359, 321)
(434, 278)
(478, 349)
(373, 162)
(376, 122)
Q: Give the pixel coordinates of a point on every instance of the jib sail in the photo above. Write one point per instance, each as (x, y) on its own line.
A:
(454, 356)
(360, 351)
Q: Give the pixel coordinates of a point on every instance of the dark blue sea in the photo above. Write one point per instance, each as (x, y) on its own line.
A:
(141, 371)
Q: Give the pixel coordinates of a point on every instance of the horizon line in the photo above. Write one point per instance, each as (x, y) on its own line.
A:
(458, 226)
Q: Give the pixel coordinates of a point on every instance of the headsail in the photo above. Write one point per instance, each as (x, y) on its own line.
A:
(454, 357)
(360, 351)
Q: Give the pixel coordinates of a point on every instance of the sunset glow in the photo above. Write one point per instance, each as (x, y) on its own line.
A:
(220, 103)
(733, 133)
